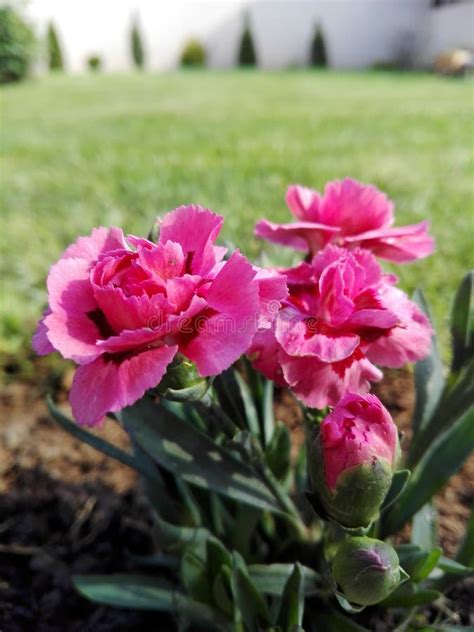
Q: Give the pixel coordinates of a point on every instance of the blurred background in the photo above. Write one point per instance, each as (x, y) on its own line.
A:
(115, 111)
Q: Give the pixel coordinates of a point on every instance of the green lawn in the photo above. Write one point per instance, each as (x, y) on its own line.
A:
(84, 151)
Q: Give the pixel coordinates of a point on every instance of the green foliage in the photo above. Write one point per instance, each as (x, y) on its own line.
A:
(16, 46)
(193, 54)
(55, 56)
(136, 45)
(318, 56)
(247, 55)
(94, 63)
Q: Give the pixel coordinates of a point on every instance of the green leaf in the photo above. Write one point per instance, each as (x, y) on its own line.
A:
(217, 557)
(230, 398)
(465, 555)
(462, 323)
(251, 414)
(442, 459)
(222, 591)
(271, 579)
(278, 452)
(418, 563)
(292, 601)
(423, 529)
(408, 595)
(399, 481)
(176, 538)
(268, 415)
(249, 601)
(180, 448)
(194, 577)
(141, 592)
(429, 377)
(452, 567)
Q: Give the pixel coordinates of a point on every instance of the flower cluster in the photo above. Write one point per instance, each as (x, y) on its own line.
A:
(124, 308)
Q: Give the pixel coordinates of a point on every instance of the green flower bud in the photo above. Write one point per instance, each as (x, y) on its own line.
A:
(182, 382)
(352, 459)
(366, 570)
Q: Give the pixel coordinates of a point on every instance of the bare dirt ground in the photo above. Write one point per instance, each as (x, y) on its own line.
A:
(66, 509)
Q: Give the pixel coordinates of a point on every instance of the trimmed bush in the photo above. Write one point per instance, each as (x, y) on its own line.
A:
(247, 55)
(55, 56)
(193, 54)
(318, 56)
(136, 44)
(16, 46)
(94, 63)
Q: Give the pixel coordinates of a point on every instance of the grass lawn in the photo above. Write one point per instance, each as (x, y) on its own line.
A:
(84, 151)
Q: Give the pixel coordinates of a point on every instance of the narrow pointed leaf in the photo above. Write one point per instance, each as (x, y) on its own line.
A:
(429, 377)
(399, 481)
(188, 453)
(292, 601)
(268, 415)
(141, 592)
(249, 600)
(423, 529)
(271, 579)
(462, 323)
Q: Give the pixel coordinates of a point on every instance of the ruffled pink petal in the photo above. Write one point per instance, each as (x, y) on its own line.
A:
(40, 341)
(319, 384)
(225, 332)
(400, 245)
(304, 203)
(409, 341)
(195, 229)
(355, 207)
(131, 312)
(101, 240)
(264, 355)
(165, 260)
(71, 327)
(304, 236)
(113, 382)
(335, 291)
(272, 290)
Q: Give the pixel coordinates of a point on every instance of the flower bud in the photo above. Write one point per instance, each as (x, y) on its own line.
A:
(366, 570)
(352, 460)
(182, 382)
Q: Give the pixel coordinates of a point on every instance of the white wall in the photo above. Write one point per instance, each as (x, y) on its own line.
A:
(358, 33)
(451, 26)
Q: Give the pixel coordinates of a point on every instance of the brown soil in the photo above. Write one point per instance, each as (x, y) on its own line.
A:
(65, 509)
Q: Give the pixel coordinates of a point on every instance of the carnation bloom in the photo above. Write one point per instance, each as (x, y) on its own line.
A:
(349, 214)
(122, 308)
(352, 459)
(341, 316)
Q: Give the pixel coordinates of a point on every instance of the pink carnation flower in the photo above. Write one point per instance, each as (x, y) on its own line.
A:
(122, 308)
(358, 431)
(349, 214)
(341, 316)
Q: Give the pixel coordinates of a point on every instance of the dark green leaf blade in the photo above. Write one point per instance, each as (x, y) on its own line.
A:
(292, 602)
(183, 450)
(142, 592)
(270, 579)
(462, 323)
(429, 376)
